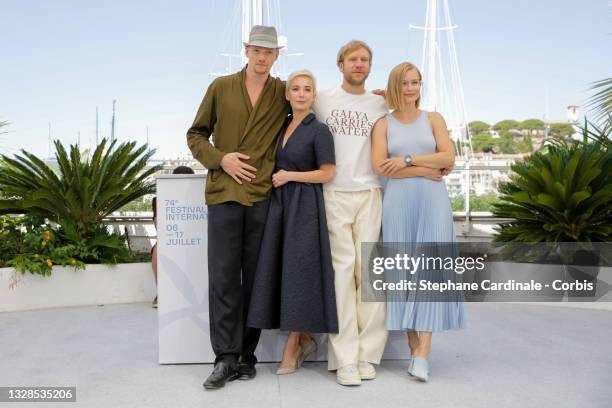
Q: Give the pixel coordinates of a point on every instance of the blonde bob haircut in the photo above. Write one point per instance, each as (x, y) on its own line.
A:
(302, 73)
(351, 46)
(395, 97)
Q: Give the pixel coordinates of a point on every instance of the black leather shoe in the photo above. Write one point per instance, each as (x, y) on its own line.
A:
(222, 373)
(247, 371)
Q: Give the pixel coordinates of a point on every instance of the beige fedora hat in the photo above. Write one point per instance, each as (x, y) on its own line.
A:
(263, 36)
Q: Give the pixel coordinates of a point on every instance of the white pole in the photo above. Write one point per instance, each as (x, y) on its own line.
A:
(432, 48)
(97, 127)
(49, 147)
(246, 27)
(257, 12)
(467, 226)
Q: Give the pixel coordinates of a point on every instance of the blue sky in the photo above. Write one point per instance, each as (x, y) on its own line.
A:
(61, 59)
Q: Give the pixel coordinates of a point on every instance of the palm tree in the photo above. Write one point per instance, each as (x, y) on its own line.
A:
(559, 194)
(83, 190)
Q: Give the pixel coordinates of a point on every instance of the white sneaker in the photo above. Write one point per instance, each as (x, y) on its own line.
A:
(366, 371)
(348, 375)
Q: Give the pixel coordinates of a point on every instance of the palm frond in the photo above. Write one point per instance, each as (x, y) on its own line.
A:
(601, 101)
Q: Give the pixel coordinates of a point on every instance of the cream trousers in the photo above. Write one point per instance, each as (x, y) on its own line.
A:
(352, 218)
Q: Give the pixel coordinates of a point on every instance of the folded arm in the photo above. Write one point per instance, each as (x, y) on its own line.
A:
(444, 158)
(395, 167)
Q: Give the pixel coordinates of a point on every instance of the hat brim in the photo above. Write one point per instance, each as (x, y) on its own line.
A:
(264, 44)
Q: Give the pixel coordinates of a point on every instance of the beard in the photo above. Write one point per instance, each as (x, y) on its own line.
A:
(355, 81)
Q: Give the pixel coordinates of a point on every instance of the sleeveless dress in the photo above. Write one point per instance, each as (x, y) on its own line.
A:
(417, 210)
(294, 282)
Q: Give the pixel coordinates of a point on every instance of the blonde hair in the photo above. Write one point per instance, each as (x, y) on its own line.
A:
(301, 73)
(395, 97)
(351, 46)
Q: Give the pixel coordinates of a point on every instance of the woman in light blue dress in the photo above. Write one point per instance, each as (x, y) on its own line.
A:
(413, 149)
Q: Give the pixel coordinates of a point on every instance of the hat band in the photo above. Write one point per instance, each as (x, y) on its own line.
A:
(263, 37)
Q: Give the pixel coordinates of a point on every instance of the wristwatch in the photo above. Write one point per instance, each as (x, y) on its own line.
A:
(408, 160)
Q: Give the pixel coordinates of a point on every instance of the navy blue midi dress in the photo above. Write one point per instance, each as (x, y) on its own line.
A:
(294, 282)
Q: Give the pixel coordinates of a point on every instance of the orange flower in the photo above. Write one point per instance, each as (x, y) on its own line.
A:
(48, 235)
(49, 263)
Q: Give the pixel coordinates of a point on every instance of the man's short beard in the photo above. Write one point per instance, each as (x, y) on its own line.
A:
(354, 82)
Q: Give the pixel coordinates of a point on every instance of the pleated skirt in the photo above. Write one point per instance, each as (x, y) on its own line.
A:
(418, 210)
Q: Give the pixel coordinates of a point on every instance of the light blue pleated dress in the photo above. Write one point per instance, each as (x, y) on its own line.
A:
(418, 210)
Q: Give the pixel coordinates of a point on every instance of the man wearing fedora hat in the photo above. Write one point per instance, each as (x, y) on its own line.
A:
(233, 136)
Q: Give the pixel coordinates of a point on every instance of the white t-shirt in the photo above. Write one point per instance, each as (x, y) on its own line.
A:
(350, 119)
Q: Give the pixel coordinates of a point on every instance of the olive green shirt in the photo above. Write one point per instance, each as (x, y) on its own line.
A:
(226, 115)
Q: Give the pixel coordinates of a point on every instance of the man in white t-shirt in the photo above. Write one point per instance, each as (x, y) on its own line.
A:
(353, 206)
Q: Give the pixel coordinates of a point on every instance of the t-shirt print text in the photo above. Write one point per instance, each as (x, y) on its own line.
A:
(348, 122)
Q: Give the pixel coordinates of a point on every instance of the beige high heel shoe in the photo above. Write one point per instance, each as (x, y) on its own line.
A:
(310, 348)
(302, 354)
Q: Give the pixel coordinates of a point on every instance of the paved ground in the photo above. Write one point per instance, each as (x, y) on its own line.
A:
(510, 355)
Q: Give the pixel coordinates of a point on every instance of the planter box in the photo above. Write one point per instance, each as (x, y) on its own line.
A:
(95, 285)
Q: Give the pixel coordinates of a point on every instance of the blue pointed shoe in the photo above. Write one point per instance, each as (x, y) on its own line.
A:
(420, 369)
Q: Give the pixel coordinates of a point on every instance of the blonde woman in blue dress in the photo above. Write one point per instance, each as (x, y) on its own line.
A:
(413, 149)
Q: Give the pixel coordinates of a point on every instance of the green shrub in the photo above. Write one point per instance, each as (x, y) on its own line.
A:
(11, 238)
(562, 193)
(43, 246)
